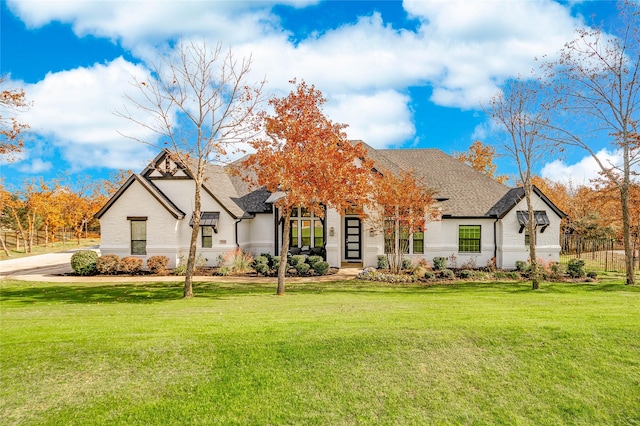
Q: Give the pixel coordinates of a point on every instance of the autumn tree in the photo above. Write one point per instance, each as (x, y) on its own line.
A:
(481, 158)
(523, 119)
(596, 81)
(12, 101)
(201, 104)
(307, 161)
(403, 203)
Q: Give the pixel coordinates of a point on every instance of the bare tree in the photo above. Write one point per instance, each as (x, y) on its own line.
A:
(200, 103)
(595, 81)
(524, 119)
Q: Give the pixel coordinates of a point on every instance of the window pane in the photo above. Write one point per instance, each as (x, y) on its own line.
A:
(418, 242)
(318, 234)
(139, 237)
(469, 238)
(305, 233)
(207, 236)
(293, 242)
(138, 229)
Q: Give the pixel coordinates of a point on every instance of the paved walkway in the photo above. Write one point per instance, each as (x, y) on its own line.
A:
(51, 267)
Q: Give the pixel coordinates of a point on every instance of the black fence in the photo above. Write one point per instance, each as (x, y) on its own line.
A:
(13, 240)
(604, 254)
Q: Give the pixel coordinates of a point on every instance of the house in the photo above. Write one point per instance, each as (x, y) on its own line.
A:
(479, 218)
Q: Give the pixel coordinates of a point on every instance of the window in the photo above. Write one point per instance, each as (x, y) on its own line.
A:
(469, 238)
(207, 236)
(307, 230)
(138, 236)
(406, 243)
(418, 242)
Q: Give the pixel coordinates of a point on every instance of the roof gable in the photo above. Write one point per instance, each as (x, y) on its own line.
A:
(151, 188)
(513, 197)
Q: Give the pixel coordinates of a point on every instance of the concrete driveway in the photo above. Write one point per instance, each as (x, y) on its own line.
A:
(51, 264)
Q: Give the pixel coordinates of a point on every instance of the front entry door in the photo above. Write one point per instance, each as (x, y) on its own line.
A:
(352, 238)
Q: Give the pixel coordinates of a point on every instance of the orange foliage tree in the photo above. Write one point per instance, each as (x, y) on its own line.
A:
(403, 202)
(11, 142)
(307, 159)
(481, 157)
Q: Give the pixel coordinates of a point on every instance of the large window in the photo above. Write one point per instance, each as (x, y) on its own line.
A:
(307, 230)
(138, 236)
(396, 234)
(469, 238)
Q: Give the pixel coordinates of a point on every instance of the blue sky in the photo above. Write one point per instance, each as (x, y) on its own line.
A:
(400, 74)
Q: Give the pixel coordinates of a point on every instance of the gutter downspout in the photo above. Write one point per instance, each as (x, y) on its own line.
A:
(236, 225)
(495, 240)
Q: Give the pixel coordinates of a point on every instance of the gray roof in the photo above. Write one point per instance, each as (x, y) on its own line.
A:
(513, 197)
(469, 193)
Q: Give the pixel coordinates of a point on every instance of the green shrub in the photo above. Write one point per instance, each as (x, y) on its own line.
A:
(575, 268)
(262, 268)
(130, 265)
(419, 271)
(439, 263)
(108, 264)
(297, 259)
(447, 274)
(522, 266)
(157, 264)
(466, 273)
(383, 262)
(83, 262)
(406, 263)
(269, 258)
(302, 268)
(261, 260)
(592, 274)
(312, 260)
(321, 267)
(275, 262)
(428, 275)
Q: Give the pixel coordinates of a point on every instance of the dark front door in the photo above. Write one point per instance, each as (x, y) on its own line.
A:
(352, 238)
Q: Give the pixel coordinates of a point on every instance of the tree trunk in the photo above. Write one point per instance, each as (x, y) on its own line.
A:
(191, 260)
(531, 226)
(4, 247)
(626, 230)
(282, 268)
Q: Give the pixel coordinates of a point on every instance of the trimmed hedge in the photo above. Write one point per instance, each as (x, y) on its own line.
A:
(83, 262)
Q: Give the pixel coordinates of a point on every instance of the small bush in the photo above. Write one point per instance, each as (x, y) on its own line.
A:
(383, 262)
(321, 267)
(447, 274)
(522, 266)
(419, 271)
(268, 256)
(297, 259)
(592, 274)
(406, 263)
(275, 262)
(466, 273)
(157, 264)
(83, 262)
(108, 264)
(575, 268)
(428, 275)
(262, 268)
(439, 263)
(261, 260)
(371, 274)
(302, 268)
(130, 265)
(312, 260)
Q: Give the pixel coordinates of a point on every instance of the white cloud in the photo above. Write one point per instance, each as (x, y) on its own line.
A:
(583, 171)
(36, 165)
(381, 119)
(75, 110)
(462, 49)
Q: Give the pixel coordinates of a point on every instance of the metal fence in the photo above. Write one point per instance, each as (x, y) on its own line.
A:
(13, 240)
(605, 254)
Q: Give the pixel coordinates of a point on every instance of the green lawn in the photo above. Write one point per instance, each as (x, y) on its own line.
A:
(325, 354)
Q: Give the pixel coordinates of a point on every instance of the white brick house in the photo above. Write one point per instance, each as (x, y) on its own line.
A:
(479, 218)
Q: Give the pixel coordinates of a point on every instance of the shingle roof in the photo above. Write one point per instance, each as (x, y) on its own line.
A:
(470, 193)
(513, 197)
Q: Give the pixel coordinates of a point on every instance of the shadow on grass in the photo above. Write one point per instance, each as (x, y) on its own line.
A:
(19, 293)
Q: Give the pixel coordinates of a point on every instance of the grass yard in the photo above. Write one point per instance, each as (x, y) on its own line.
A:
(326, 354)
